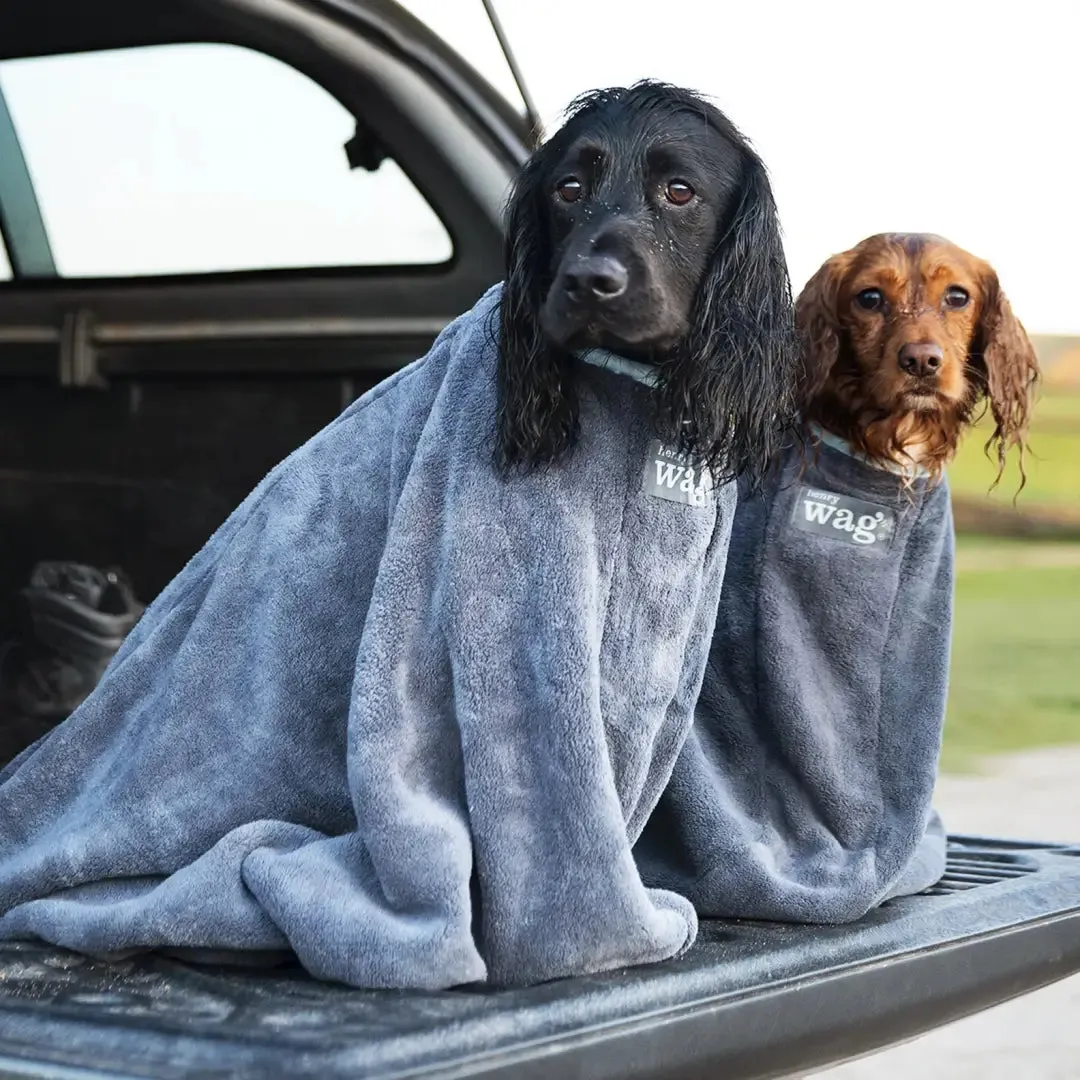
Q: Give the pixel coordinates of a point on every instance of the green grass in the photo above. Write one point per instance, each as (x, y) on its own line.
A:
(1058, 406)
(1016, 649)
(1052, 465)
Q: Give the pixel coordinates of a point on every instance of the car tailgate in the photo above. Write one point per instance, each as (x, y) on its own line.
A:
(749, 1000)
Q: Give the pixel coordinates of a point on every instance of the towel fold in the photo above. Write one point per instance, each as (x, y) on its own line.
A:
(403, 715)
(803, 792)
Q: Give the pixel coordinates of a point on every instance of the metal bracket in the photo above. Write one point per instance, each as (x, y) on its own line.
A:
(78, 357)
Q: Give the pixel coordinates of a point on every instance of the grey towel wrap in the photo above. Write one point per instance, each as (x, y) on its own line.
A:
(403, 715)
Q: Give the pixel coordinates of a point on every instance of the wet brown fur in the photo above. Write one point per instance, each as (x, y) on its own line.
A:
(853, 384)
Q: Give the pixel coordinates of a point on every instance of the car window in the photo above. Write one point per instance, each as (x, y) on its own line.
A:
(187, 159)
(5, 265)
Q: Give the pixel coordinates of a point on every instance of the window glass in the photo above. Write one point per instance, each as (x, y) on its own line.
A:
(186, 159)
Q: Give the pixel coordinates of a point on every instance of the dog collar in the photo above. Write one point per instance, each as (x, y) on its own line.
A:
(620, 365)
(834, 441)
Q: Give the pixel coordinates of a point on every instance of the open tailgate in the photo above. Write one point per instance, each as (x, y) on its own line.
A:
(749, 1000)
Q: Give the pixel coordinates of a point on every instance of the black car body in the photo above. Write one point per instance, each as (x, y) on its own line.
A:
(137, 409)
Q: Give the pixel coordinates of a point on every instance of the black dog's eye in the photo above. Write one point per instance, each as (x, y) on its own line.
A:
(955, 297)
(870, 299)
(569, 189)
(678, 192)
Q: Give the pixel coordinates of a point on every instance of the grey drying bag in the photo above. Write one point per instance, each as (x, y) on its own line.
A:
(803, 792)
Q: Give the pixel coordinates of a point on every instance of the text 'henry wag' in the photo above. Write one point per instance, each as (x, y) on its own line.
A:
(841, 517)
(673, 476)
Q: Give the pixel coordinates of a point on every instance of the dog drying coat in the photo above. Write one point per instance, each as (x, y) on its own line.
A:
(403, 715)
(803, 791)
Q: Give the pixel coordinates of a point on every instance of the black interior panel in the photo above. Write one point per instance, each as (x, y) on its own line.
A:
(141, 473)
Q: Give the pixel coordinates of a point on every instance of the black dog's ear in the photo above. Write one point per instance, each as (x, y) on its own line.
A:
(537, 404)
(728, 395)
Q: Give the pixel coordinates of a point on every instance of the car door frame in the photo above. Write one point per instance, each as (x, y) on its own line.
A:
(453, 136)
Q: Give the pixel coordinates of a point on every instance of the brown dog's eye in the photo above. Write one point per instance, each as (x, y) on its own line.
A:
(956, 298)
(568, 189)
(678, 192)
(870, 299)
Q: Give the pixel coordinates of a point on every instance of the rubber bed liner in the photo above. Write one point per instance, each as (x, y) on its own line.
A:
(749, 1000)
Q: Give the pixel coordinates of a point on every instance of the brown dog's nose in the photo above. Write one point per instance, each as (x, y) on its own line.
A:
(598, 277)
(921, 359)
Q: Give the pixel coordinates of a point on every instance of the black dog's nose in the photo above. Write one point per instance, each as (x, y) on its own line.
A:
(921, 359)
(600, 276)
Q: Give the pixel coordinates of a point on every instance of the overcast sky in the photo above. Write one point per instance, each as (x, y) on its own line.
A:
(958, 118)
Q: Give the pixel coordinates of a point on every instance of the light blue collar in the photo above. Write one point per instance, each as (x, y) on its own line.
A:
(844, 447)
(609, 361)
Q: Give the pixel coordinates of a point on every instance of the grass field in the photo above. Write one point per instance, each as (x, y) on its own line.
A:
(1016, 649)
(1052, 465)
(1016, 646)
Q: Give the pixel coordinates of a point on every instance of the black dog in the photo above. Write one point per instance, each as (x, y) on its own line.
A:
(647, 226)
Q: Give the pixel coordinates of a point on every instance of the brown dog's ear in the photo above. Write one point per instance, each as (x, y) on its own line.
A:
(1005, 357)
(817, 320)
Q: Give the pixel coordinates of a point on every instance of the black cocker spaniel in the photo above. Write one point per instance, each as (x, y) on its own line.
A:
(646, 226)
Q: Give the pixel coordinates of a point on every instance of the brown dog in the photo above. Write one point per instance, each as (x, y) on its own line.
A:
(903, 337)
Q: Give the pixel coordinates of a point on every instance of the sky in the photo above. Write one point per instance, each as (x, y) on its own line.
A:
(957, 118)
(960, 118)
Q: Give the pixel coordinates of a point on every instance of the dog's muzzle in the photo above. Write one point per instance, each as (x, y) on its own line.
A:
(592, 298)
(595, 279)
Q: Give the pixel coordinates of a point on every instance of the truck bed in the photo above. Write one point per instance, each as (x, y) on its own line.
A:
(750, 1000)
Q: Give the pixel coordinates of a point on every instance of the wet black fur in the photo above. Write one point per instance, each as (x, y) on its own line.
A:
(727, 376)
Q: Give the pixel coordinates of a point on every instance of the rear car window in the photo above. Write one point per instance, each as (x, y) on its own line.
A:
(189, 159)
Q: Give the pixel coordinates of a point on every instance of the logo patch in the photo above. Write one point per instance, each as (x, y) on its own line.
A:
(670, 475)
(841, 517)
